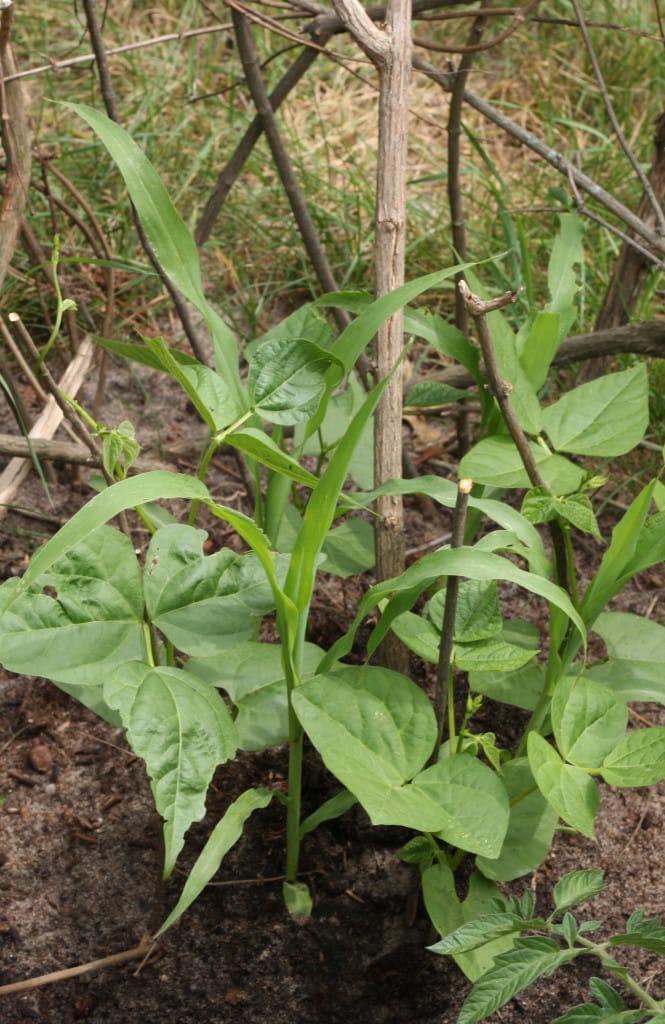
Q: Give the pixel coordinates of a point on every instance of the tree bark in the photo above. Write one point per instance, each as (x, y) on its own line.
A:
(390, 51)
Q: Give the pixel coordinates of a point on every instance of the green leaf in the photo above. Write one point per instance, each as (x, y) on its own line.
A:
(540, 506)
(360, 331)
(252, 674)
(495, 461)
(470, 562)
(373, 728)
(588, 720)
(577, 887)
(530, 828)
(426, 394)
(636, 649)
(126, 494)
(419, 635)
(605, 417)
(571, 792)
(173, 245)
(476, 933)
(449, 914)
(607, 996)
(639, 760)
(478, 614)
(260, 446)
(297, 898)
(288, 379)
(567, 253)
(182, 730)
(520, 689)
(328, 811)
(75, 620)
(620, 561)
(512, 972)
(486, 655)
(203, 604)
(349, 548)
(472, 800)
(539, 348)
(226, 833)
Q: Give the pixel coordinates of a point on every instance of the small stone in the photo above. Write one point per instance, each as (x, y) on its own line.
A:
(40, 758)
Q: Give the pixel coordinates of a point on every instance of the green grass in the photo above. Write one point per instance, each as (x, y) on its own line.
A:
(186, 105)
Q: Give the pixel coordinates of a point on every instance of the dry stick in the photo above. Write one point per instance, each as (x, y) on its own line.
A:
(444, 694)
(308, 232)
(390, 52)
(16, 143)
(501, 389)
(75, 972)
(547, 153)
(455, 200)
(623, 142)
(228, 176)
(519, 17)
(108, 96)
(644, 339)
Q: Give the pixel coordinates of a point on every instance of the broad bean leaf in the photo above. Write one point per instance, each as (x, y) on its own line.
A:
(77, 619)
(605, 417)
(520, 689)
(450, 915)
(496, 462)
(252, 674)
(426, 394)
(478, 615)
(419, 635)
(577, 887)
(639, 760)
(588, 720)
(539, 506)
(512, 972)
(226, 833)
(374, 729)
(636, 655)
(530, 828)
(203, 604)
(183, 731)
(288, 378)
(490, 655)
(572, 793)
(349, 548)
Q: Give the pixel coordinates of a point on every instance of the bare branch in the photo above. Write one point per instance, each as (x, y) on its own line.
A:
(370, 39)
(623, 142)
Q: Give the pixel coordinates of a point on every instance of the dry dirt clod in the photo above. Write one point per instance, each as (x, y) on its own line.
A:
(40, 758)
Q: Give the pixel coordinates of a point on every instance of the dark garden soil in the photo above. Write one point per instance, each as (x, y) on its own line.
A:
(80, 856)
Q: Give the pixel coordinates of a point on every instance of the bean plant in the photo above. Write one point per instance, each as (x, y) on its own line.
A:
(167, 646)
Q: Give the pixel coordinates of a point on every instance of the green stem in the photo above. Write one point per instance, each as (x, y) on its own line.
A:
(213, 445)
(621, 973)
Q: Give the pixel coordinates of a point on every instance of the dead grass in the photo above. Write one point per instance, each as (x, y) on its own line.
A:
(184, 102)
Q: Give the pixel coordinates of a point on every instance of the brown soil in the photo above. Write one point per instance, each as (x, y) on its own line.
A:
(80, 862)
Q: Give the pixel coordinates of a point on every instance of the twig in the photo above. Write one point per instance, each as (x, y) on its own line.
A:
(143, 950)
(623, 142)
(519, 16)
(309, 234)
(444, 694)
(501, 391)
(16, 143)
(72, 62)
(547, 153)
